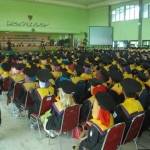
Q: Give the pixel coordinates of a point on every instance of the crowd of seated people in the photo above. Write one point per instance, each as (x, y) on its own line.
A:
(115, 83)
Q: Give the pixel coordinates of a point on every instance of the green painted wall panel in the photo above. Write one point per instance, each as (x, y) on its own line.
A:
(126, 30)
(146, 29)
(98, 16)
(59, 18)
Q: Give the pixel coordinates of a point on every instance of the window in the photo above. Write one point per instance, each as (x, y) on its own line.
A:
(128, 12)
(113, 16)
(118, 14)
(132, 12)
(146, 11)
(133, 43)
(121, 13)
(136, 12)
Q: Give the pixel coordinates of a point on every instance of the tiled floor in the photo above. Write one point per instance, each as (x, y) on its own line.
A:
(15, 134)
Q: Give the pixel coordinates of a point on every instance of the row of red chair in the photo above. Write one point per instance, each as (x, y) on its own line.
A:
(115, 136)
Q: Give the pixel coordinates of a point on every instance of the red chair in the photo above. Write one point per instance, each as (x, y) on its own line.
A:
(5, 85)
(16, 91)
(45, 105)
(70, 118)
(25, 101)
(134, 129)
(114, 137)
(13, 90)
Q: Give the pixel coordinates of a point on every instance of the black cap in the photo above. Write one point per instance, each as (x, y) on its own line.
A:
(105, 74)
(105, 101)
(6, 66)
(67, 86)
(79, 69)
(95, 82)
(142, 76)
(115, 74)
(44, 75)
(131, 86)
(30, 72)
(19, 66)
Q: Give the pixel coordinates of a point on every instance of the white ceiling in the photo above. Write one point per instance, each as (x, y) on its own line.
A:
(80, 3)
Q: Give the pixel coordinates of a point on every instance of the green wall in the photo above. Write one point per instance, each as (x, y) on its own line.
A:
(126, 30)
(98, 16)
(146, 29)
(63, 19)
(60, 19)
(146, 26)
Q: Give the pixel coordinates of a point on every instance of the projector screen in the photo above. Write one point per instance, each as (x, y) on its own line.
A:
(100, 35)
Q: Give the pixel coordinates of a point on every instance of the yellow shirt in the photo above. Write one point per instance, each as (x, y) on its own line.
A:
(127, 75)
(18, 77)
(76, 79)
(102, 126)
(30, 85)
(56, 74)
(1, 70)
(132, 105)
(147, 83)
(95, 109)
(117, 88)
(86, 76)
(46, 91)
(5, 74)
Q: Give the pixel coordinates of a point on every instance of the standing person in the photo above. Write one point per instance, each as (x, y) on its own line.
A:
(43, 45)
(9, 48)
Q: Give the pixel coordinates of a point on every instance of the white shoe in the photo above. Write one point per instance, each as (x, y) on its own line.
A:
(52, 134)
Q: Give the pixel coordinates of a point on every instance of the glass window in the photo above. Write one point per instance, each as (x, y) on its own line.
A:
(136, 12)
(145, 11)
(127, 12)
(113, 16)
(121, 13)
(117, 14)
(132, 12)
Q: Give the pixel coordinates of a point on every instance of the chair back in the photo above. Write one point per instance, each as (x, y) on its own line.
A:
(6, 83)
(16, 90)
(114, 137)
(70, 118)
(46, 104)
(85, 112)
(134, 128)
(28, 101)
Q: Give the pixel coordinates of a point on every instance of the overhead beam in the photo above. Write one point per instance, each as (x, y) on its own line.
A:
(70, 4)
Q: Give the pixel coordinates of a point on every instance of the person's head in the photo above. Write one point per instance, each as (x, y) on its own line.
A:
(17, 68)
(97, 86)
(131, 87)
(106, 107)
(30, 73)
(6, 67)
(115, 74)
(79, 70)
(44, 76)
(65, 92)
